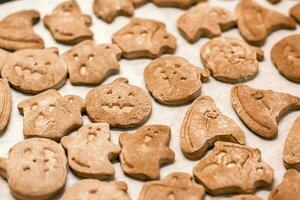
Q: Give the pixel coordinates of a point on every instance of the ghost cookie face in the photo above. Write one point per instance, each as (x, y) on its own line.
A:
(118, 104)
(144, 38)
(50, 115)
(35, 70)
(5, 104)
(35, 169)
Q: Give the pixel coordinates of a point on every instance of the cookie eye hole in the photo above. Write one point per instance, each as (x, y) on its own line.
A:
(75, 56)
(183, 78)
(51, 108)
(30, 56)
(156, 133)
(144, 33)
(174, 72)
(119, 97)
(71, 99)
(26, 168)
(33, 106)
(35, 63)
(34, 160)
(107, 47)
(171, 196)
(166, 37)
(91, 57)
(109, 92)
(130, 94)
(259, 169)
(47, 64)
(177, 65)
(27, 151)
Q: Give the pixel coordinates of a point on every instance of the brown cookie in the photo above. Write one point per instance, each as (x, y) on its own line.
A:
(144, 152)
(255, 22)
(3, 56)
(184, 4)
(274, 1)
(177, 185)
(67, 24)
(203, 125)
(231, 60)
(139, 3)
(5, 104)
(90, 189)
(233, 168)
(172, 80)
(144, 38)
(295, 12)
(118, 104)
(90, 151)
(35, 169)
(289, 189)
(204, 21)
(35, 70)
(245, 197)
(90, 64)
(50, 115)
(16, 31)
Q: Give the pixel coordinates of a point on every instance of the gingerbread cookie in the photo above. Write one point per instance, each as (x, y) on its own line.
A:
(144, 152)
(203, 125)
(90, 64)
(5, 104)
(177, 185)
(67, 24)
(50, 115)
(172, 80)
(233, 168)
(35, 70)
(90, 151)
(183, 4)
(35, 169)
(204, 21)
(144, 38)
(295, 12)
(16, 31)
(118, 104)
(245, 197)
(255, 22)
(231, 60)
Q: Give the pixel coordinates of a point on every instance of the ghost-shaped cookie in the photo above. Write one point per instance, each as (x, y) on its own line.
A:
(5, 104)
(295, 12)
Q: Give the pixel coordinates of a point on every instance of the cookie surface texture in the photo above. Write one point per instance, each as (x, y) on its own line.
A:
(295, 12)
(5, 104)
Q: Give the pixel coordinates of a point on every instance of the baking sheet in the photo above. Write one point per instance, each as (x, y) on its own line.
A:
(268, 78)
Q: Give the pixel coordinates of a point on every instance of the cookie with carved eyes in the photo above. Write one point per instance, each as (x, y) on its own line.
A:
(35, 70)
(36, 169)
(90, 152)
(295, 12)
(204, 21)
(231, 60)
(144, 38)
(183, 4)
(261, 109)
(91, 64)
(5, 104)
(119, 104)
(255, 22)
(233, 168)
(145, 151)
(50, 115)
(172, 80)
(245, 197)
(67, 24)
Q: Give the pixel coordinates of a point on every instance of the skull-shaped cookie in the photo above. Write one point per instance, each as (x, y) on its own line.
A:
(144, 152)
(67, 24)
(35, 70)
(90, 151)
(90, 64)
(295, 12)
(118, 104)
(204, 21)
(144, 38)
(176, 3)
(5, 104)
(260, 109)
(172, 80)
(177, 185)
(233, 168)
(36, 168)
(16, 31)
(50, 115)
(203, 125)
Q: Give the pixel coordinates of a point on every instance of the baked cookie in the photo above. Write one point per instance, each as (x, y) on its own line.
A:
(16, 31)
(203, 125)
(144, 38)
(261, 109)
(118, 104)
(172, 80)
(50, 115)
(144, 152)
(35, 169)
(35, 70)
(233, 168)
(90, 64)
(5, 104)
(177, 185)
(231, 60)
(245, 197)
(255, 22)
(90, 151)
(183, 4)
(204, 21)
(295, 12)
(67, 24)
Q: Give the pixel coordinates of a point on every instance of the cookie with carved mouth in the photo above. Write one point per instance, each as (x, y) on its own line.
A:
(36, 168)
(91, 64)
(119, 104)
(67, 24)
(5, 104)
(50, 115)
(295, 12)
(183, 4)
(90, 152)
(261, 109)
(233, 168)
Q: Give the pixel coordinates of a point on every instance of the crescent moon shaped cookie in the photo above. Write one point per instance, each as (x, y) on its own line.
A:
(261, 109)
(295, 12)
